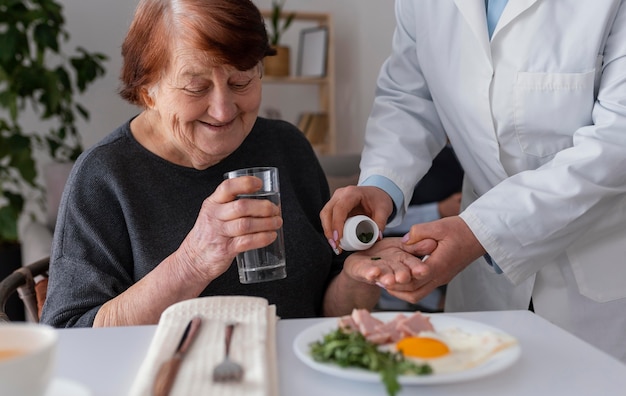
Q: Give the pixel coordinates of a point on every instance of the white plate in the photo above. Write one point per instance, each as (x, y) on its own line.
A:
(498, 362)
(66, 387)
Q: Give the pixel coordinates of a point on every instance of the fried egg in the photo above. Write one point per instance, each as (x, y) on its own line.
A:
(452, 350)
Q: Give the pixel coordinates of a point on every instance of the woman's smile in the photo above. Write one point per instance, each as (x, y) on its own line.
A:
(217, 125)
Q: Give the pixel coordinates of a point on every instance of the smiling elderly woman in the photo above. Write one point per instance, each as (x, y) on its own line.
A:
(147, 219)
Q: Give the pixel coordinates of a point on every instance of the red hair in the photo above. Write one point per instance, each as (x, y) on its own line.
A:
(231, 32)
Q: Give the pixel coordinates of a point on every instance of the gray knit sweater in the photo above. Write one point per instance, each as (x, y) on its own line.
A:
(125, 209)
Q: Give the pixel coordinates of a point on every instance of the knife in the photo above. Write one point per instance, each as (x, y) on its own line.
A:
(167, 372)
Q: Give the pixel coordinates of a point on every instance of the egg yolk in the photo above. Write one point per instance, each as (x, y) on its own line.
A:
(422, 347)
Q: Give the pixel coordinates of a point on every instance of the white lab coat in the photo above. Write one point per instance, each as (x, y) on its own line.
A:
(537, 117)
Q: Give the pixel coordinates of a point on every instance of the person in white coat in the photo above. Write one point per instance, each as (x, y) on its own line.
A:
(532, 96)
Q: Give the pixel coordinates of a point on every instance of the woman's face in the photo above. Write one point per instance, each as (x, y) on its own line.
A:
(204, 112)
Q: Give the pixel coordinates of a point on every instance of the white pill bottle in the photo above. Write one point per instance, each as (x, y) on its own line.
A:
(359, 233)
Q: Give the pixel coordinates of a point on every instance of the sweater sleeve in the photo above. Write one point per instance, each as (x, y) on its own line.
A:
(91, 248)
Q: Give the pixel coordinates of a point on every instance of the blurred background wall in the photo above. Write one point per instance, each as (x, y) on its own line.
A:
(363, 30)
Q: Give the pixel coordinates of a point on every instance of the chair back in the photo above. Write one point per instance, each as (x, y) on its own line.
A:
(30, 283)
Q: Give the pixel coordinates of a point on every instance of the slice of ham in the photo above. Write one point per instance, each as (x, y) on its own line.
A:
(379, 332)
(415, 324)
(389, 331)
(347, 324)
(365, 321)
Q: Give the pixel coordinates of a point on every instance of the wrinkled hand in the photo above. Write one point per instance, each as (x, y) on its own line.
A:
(388, 262)
(227, 226)
(351, 201)
(456, 247)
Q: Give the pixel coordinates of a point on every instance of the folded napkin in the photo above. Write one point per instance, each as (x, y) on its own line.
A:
(253, 346)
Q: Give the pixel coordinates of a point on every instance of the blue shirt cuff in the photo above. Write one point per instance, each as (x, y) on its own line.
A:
(415, 214)
(492, 263)
(390, 188)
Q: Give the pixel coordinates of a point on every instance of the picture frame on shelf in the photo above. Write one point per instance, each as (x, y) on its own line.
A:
(313, 52)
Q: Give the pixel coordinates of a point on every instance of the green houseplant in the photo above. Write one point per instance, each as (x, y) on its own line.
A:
(278, 65)
(279, 24)
(36, 76)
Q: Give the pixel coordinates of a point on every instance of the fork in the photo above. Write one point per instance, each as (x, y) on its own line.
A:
(227, 370)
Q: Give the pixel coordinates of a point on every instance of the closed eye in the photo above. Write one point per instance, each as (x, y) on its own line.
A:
(241, 85)
(195, 91)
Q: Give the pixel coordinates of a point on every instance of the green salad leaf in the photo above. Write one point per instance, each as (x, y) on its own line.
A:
(351, 349)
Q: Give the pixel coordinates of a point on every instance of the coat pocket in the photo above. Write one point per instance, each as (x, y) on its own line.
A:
(599, 265)
(549, 108)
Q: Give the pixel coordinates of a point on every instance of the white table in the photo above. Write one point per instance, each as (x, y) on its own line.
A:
(553, 362)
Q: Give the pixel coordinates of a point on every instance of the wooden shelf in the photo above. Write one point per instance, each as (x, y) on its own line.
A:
(320, 18)
(295, 80)
(326, 84)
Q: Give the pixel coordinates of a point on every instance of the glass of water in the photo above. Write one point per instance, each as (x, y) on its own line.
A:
(267, 263)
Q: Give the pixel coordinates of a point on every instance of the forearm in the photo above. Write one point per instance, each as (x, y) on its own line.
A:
(143, 303)
(344, 294)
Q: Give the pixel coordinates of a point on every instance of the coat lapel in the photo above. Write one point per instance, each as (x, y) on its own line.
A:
(476, 17)
(512, 10)
(473, 12)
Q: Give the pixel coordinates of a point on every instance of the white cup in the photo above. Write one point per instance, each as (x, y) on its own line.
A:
(267, 263)
(27, 358)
